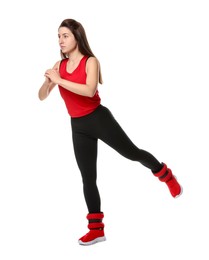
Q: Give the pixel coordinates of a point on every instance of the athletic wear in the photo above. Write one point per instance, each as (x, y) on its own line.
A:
(96, 227)
(86, 131)
(77, 105)
(166, 175)
(91, 121)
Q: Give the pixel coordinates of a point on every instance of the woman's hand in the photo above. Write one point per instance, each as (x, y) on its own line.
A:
(53, 75)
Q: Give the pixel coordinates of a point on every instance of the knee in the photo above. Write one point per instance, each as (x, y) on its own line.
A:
(89, 181)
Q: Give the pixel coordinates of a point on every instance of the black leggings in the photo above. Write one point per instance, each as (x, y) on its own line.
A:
(102, 125)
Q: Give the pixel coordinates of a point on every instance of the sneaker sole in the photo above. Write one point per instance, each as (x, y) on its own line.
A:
(96, 240)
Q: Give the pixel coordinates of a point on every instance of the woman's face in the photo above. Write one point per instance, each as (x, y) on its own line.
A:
(67, 40)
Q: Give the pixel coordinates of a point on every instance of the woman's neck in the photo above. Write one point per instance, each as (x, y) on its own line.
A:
(75, 56)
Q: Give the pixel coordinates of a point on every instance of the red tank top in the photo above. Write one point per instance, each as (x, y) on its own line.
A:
(77, 105)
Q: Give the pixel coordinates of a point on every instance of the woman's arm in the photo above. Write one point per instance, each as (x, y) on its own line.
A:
(48, 85)
(88, 89)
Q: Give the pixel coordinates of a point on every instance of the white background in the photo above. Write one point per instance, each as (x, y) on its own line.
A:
(155, 62)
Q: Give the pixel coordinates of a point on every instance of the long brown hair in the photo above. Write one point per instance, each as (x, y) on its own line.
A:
(80, 35)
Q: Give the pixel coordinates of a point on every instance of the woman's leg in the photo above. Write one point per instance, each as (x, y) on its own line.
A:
(85, 148)
(111, 133)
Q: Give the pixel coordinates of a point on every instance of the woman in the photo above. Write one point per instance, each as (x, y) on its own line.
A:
(77, 75)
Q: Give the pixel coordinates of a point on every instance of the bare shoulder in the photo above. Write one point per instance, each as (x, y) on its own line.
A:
(57, 65)
(92, 61)
(92, 64)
